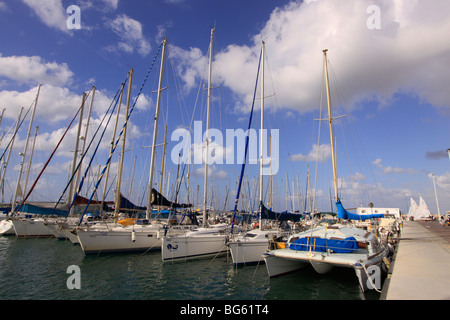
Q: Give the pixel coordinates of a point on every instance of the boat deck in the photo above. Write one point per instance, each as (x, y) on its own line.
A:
(420, 270)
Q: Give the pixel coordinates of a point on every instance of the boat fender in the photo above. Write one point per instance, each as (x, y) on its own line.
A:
(133, 236)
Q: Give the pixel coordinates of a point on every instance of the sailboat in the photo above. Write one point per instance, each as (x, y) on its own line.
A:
(208, 240)
(413, 209)
(248, 247)
(423, 214)
(27, 225)
(326, 247)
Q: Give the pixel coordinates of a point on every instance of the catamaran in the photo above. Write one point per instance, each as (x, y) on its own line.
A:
(338, 245)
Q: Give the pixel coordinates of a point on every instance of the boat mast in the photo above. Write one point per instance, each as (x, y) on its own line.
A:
(25, 152)
(205, 189)
(111, 150)
(30, 159)
(119, 173)
(261, 137)
(9, 152)
(161, 181)
(75, 155)
(155, 128)
(330, 120)
(84, 138)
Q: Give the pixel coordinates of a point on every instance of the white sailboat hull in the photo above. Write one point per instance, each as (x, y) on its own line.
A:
(7, 228)
(192, 247)
(249, 247)
(250, 252)
(31, 228)
(103, 241)
(135, 238)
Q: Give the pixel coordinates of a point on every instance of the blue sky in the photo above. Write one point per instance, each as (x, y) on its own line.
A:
(387, 70)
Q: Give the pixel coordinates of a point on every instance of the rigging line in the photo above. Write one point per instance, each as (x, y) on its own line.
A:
(82, 157)
(356, 151)
(15, 132)
(120, 134)
(52, 154)
(246, 147)
(116, 98)
(318, 136)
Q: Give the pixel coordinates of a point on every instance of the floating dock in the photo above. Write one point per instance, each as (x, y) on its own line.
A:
(421, 266)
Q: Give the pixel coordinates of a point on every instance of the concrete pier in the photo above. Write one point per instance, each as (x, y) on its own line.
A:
(421, 268)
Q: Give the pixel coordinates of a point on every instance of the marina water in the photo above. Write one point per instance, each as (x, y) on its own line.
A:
(35, 269)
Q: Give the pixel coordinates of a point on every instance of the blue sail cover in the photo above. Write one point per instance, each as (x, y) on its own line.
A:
(347, 245)
(29, 208)
(281, 216)
(344, 214)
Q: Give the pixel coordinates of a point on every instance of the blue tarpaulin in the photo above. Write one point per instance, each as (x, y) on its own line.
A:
(344, 214)
(347, 245)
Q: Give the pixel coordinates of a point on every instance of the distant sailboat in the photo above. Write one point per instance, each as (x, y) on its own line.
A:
(419, 212)
(423, 213)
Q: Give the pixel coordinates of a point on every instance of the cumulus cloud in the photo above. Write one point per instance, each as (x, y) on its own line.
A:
(34, 69)
(404, 55)
(50, 12)
(213, 172)
(55, 103)
(318, 153)
(389, 169)
(442, 181)
(129, 32)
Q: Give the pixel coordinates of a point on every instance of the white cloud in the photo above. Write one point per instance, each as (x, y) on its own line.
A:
(320, 153)
(50, 12)
(442, 181)
(389, 169)
(130, 35)
(34, 69)
(405, 55)
(191, 65)
(113, 4)
(3, 6)
(213, 172)
(54, 104)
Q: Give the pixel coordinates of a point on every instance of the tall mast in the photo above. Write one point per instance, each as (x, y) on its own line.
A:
(9, 152)
(161, 181)
(111, 151)
(155, 130)
(25, 151)
(261, 137)
(330, 120)
(205, 189)
(86, 130)
(75, 155)
(122, 154)
(30, 159)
